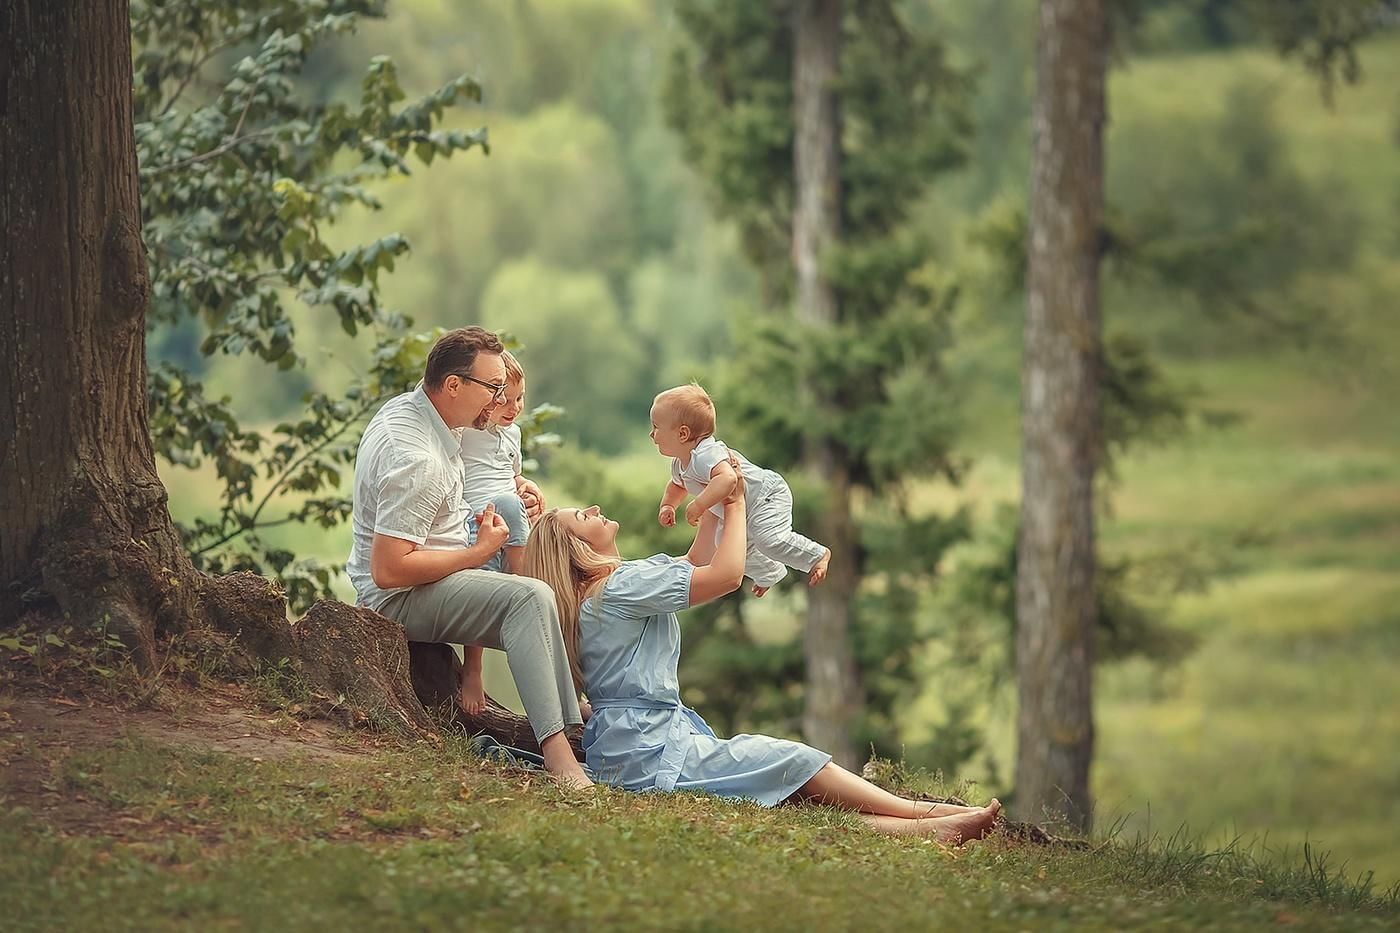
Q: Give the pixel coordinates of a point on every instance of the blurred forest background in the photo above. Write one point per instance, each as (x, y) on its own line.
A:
(1250, 518)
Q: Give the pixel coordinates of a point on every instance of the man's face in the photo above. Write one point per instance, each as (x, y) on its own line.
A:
(470, 402)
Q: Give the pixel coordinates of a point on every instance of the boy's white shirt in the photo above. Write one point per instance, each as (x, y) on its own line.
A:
(490, 463)
(758, 482)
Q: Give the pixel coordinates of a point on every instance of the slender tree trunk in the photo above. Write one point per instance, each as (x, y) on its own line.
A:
(85, 521)
(833, 700)
(1055, 602)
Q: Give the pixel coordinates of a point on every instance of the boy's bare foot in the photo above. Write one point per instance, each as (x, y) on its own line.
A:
(962, 827)
(818, 573)
(759, 590)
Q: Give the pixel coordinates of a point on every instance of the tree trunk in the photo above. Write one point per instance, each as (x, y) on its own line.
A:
(1055, 604)
(833, 700)
(85, 519)
(86, 534)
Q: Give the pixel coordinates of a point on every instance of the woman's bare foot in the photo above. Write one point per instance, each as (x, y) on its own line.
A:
(928, 808)
(759, 590)
(818, 573)
(561, 764)
(962, 827)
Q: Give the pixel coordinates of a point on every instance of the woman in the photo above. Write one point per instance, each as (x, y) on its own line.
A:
(620, 631)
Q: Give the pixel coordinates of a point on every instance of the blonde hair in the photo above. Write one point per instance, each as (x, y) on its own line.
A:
(690, 405)
(515, 373)
(573, 570)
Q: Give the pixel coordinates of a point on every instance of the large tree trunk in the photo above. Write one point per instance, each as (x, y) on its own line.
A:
(86, 534)
(1055, 603)
(85, 518)
(833, 700)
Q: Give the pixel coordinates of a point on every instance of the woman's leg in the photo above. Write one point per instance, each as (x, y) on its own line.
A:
(838, 787)
(953, 829)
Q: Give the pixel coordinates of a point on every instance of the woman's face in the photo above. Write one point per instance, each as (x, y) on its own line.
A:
(592, 527)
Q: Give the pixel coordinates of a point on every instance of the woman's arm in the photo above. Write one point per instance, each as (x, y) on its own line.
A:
(725, 571)
(702, 549)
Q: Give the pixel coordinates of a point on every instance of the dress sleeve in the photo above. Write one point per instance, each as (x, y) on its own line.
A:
(640, 589)
(409, 498)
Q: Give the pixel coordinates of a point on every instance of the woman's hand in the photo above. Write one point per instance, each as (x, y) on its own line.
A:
(737, 493)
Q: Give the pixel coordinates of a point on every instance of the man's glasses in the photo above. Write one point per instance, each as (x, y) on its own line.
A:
(498, 392)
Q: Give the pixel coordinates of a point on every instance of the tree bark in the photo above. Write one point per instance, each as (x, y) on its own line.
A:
(832, 700)
(86, 524)
(86, 535)
(1055, 603)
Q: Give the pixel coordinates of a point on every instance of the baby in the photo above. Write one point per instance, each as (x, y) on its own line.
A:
(683, 427)
(491, 480)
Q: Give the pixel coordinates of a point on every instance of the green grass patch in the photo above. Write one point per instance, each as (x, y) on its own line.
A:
(432, 839)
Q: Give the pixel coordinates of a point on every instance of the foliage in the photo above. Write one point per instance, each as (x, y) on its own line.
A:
(241, 176)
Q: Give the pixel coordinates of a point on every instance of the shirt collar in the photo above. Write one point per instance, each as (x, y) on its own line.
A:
(450, 439)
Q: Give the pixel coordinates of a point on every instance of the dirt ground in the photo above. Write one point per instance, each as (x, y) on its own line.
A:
(40, 727)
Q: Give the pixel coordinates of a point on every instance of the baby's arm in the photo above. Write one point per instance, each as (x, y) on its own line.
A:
(722, 480)
(670, 499)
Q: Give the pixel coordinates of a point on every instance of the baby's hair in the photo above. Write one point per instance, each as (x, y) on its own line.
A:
(515, 373)
(690, 405)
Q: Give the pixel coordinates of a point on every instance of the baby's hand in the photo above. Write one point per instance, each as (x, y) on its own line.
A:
(693, 512)
(667, 516)
(473, 698)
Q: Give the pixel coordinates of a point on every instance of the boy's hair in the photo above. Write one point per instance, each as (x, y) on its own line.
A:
(455, 353)
(689, 405)
(515, 373)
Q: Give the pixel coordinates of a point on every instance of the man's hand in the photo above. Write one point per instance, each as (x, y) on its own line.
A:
(667, 516)
(694, 512)
(491, 530)
(531, 496)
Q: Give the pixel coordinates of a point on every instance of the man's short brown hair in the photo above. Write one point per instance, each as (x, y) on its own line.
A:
(689, 405)
(455, 353)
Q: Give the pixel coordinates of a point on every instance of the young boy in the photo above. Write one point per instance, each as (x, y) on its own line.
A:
(491, 479)
(683, 427)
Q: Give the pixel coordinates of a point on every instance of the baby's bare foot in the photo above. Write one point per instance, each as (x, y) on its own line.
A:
(759, 590)
(818, 573)
(962, 827)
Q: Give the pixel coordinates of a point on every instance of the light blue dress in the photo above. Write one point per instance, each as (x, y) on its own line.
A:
(641, 736)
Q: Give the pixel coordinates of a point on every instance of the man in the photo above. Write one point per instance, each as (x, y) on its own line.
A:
(412, 557)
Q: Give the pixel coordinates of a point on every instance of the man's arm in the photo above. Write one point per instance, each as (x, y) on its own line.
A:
(395, 562)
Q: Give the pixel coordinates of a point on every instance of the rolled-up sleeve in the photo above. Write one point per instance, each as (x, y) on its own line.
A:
(409, 493)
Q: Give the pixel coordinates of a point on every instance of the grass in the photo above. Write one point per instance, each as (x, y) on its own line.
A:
(157, 837)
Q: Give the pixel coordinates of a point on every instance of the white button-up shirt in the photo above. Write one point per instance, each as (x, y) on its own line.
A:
(408, 484)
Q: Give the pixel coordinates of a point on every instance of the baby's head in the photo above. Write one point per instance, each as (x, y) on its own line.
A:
(513, 403)
(681, 418)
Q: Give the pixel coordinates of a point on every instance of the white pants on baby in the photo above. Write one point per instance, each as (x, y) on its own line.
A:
(772, 544)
